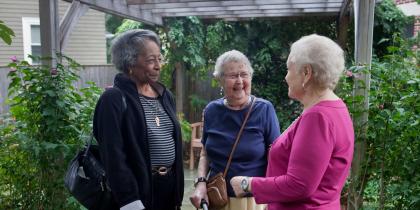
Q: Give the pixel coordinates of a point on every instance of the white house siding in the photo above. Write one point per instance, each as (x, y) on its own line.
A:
(86, 43)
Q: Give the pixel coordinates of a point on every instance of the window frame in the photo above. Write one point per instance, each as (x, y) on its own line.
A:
(27, 22)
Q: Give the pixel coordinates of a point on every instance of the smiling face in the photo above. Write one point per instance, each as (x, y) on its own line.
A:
(236, 82)
(148, 65)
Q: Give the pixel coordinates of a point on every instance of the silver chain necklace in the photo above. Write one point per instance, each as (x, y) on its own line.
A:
(157, 109)
(226, 103)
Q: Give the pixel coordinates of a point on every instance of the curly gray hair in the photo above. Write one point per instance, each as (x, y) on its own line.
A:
(323, 54)
(127, 46)
(230, 56)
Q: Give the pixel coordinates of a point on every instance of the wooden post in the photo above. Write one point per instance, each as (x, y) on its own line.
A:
(49, 25)
(180, 87)
(343, 24)
(364, 15)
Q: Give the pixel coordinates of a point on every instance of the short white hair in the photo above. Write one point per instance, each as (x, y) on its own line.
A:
(231, 56)
(324, 55)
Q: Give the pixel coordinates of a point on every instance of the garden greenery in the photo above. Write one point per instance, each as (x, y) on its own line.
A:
(48, 120)
(6, 33)
(391, 177)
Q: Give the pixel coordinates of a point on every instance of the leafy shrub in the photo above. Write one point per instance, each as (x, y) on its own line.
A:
(388, 21)
(185, 128)
(393, 147)
(48, 119)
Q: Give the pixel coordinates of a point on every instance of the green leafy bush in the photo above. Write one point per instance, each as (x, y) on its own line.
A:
(393, 147)
(388, 21)
(185, 128)
(48, 119)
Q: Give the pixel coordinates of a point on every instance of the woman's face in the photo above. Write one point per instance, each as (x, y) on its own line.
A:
(236, 81)
(294, 79)
(148, 64)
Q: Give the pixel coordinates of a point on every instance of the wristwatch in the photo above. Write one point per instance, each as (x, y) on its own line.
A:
(199, 179)
(245, 184)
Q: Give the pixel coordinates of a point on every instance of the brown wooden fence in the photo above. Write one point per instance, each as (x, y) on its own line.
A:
(201, 88)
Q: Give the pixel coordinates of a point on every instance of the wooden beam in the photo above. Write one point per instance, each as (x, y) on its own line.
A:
(48, 18)
(258, 15)
(184, 3)
(245, 8)
(69, 21)
(255, 13)
(120, 8)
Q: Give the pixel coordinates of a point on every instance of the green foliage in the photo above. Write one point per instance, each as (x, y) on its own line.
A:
(388, 20)
(112, 23)
(185, 128)
(197, 102)
(265, 42)
(393, 148)
(49, 118)
(128, 25)
(188, 41)
(269, 45)
(6, 33)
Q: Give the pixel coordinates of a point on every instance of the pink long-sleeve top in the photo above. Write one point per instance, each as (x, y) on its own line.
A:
(309, 163)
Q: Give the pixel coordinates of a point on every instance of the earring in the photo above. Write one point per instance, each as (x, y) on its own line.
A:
(221, 91)
(131, 72)
(303, 85)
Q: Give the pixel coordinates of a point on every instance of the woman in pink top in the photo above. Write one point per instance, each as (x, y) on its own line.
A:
(309, 163)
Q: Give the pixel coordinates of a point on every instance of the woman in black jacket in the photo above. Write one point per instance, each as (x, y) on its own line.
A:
(136, 126)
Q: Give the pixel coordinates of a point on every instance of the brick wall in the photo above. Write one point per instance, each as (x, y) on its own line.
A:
(403, 1)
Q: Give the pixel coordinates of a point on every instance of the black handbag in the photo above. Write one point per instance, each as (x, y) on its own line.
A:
(86, 179)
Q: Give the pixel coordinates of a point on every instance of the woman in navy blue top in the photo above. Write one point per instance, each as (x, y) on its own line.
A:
(222, 121)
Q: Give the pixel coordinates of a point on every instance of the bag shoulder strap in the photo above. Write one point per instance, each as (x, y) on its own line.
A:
(238, 137)
(124, 103)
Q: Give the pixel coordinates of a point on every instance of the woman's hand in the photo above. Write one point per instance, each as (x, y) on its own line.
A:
(236, 185)
(199, 193)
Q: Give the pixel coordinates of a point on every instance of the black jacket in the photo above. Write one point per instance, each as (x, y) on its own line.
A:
(124, 147)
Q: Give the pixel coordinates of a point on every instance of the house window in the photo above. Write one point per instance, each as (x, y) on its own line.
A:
(31, 38)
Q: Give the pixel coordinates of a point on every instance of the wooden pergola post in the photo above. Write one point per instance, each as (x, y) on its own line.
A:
(343, 24)
(364, 16)
(179, 87)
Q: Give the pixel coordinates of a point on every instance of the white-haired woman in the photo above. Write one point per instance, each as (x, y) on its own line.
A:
(308, 164)
(137, 129)
(222, 121)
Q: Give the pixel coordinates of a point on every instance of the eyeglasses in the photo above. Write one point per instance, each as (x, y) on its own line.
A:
(243, 75)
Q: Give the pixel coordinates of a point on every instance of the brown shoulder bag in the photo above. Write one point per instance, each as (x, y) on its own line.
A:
(216, 185)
